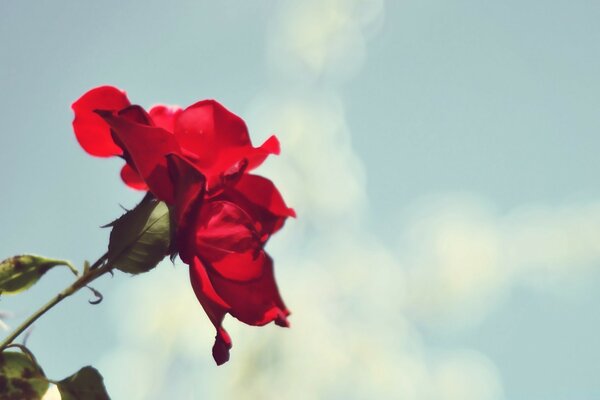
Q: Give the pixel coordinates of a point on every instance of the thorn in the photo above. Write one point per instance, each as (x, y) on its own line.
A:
(98, 295)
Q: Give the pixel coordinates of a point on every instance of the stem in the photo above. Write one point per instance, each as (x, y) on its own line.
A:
(96, 270)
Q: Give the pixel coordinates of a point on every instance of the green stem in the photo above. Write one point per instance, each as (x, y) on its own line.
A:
(95, 271)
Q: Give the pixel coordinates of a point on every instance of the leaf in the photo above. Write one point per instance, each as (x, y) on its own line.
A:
(21, 272)
(87, 383)
(141, 237)
(20, 377)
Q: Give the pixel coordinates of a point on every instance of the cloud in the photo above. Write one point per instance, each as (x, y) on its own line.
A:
(350, 335)
(349, 339)
(466, 375)
(358, 305)
(324, 40)
(320, 173)
(463, 257)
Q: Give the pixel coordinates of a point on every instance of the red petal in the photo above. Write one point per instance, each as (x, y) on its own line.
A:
(204, 290)
(255, 302)
(254, 155)
(250, 157)
(132, 113)
(91, 131)
(165, 116)
(206, 127)
(220, 350)
(226, 238)
(132, 178)
(262, 193)
(260, 198)
(258, 155)
(215, 139)
(137, 114)
(147, 146)
(188, 185)
(214, 307)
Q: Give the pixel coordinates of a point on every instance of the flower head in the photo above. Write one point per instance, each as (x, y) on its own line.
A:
(198, 160)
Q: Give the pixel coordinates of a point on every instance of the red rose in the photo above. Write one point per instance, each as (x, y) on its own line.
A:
(196, 160)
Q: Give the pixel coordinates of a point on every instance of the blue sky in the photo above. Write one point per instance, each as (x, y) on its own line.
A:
(442, 157)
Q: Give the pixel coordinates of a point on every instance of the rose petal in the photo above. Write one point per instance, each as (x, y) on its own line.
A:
(254, 155)
(251, 157)
(206, 127)
(255, 302)
(165, 116)
(128, 173)
(132, 178)
(205, 291)
(132, 113)
(147, 146)
(226, 238)
(258, 155)
(220, 350)
(188, 184)
(218, 140)
(135, 113)
(239, 267)
(93, 134)
(214, 307)
(260, 198)
(262, 193)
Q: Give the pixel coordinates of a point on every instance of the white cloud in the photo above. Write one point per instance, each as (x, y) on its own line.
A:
(323, 39)
(463, 257)
(466, 375)
(355, 301)
(319, 173)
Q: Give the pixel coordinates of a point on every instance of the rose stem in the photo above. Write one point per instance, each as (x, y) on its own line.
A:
(95, 271)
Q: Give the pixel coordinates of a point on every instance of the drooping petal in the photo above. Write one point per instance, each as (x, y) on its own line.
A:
(188, 186)
(215, 308)
(132, 178)
(128, 173)
(147, 146)
(136, 114)
(223, 344)
(165, 116)
(260, 198)
(254, 302)
(93, 134)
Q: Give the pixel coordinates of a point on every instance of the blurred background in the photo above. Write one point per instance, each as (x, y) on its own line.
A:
(441, 156)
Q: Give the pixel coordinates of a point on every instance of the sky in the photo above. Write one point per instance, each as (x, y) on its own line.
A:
(441, 157)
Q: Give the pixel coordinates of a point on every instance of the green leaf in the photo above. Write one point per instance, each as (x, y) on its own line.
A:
(20, 377)
(87, 383)
(141, 237)
(21, 272)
